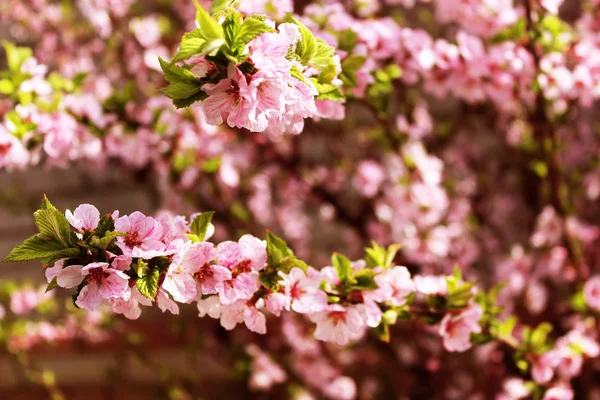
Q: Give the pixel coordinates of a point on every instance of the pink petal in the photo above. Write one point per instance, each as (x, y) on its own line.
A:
(70, 276)
(89, 298)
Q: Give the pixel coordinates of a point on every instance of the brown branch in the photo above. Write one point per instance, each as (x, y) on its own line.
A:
(546, 136)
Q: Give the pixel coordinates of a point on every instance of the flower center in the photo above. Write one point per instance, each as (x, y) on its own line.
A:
(204, 272)
(132, 239)
(337, 316)
(241, 268)
(296, 291)
(97, 275)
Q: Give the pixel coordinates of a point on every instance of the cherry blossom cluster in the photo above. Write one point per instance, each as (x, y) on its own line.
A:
(135, 260)
(253, 74)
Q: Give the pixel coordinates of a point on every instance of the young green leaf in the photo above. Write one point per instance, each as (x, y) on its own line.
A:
(53, 284)
(16, 55)
(323, 56)
(53, 223)
(210, 26)
(306, 49)
(201, 224)
(248, 30)
(105, 241)
(343, 268)
(174, 73)
(106, 224)
(46, 205)
(181, 90)
(327, 91)
(365, 280)
(350, 65)
(147, 283)
(40, 247)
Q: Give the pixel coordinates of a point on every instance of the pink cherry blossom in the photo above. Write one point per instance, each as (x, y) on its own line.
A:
(394, 285)
(142, 236)
(456, 329)
(102, 282)
(303, 292)
(85, 217)
(338, 324)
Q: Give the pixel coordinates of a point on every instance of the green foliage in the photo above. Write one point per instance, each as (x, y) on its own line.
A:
(106, 224)
(515, 32)
(459, 292)
(40, 247)
(54, 224)
(147, 282)
(102, 242)
(378, 256)
(365, 280)
(307, 47)
(327, 91)
(380, 91)
(350, 65)
(323, 57)
(238, 35)
(347, 40)
(343, 268)
(555, 34)
(52, 243)
(279, 258)
(53, 284)
(200, 226)
(15, 56)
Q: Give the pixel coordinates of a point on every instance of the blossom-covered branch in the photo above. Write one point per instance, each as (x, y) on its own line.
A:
(131, 261)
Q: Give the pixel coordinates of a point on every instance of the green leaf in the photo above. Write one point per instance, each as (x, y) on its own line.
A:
(181, 90)
(16, 55)
(54, 224)
(376, 256)
(343, 268)
(189, 47)
(174, 73)
(306, 49)
(248, 30)
(327, 91)
(291, 262)
(147, 283)
(270, 281)
(280, 257)
(365, 280)
(506, 327)
(277, 250)
(40, 247)
(46, 205)
(210, 26)
(347, 40)
(323, 56)
(53, 283)
(296, 73)
(6, 86)
(106, 224)
(540, 334)
(188, 101)
(105, 241)
(350, 65)
(232, 22)
(206, 39)
(220, 5)
(201, 224)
